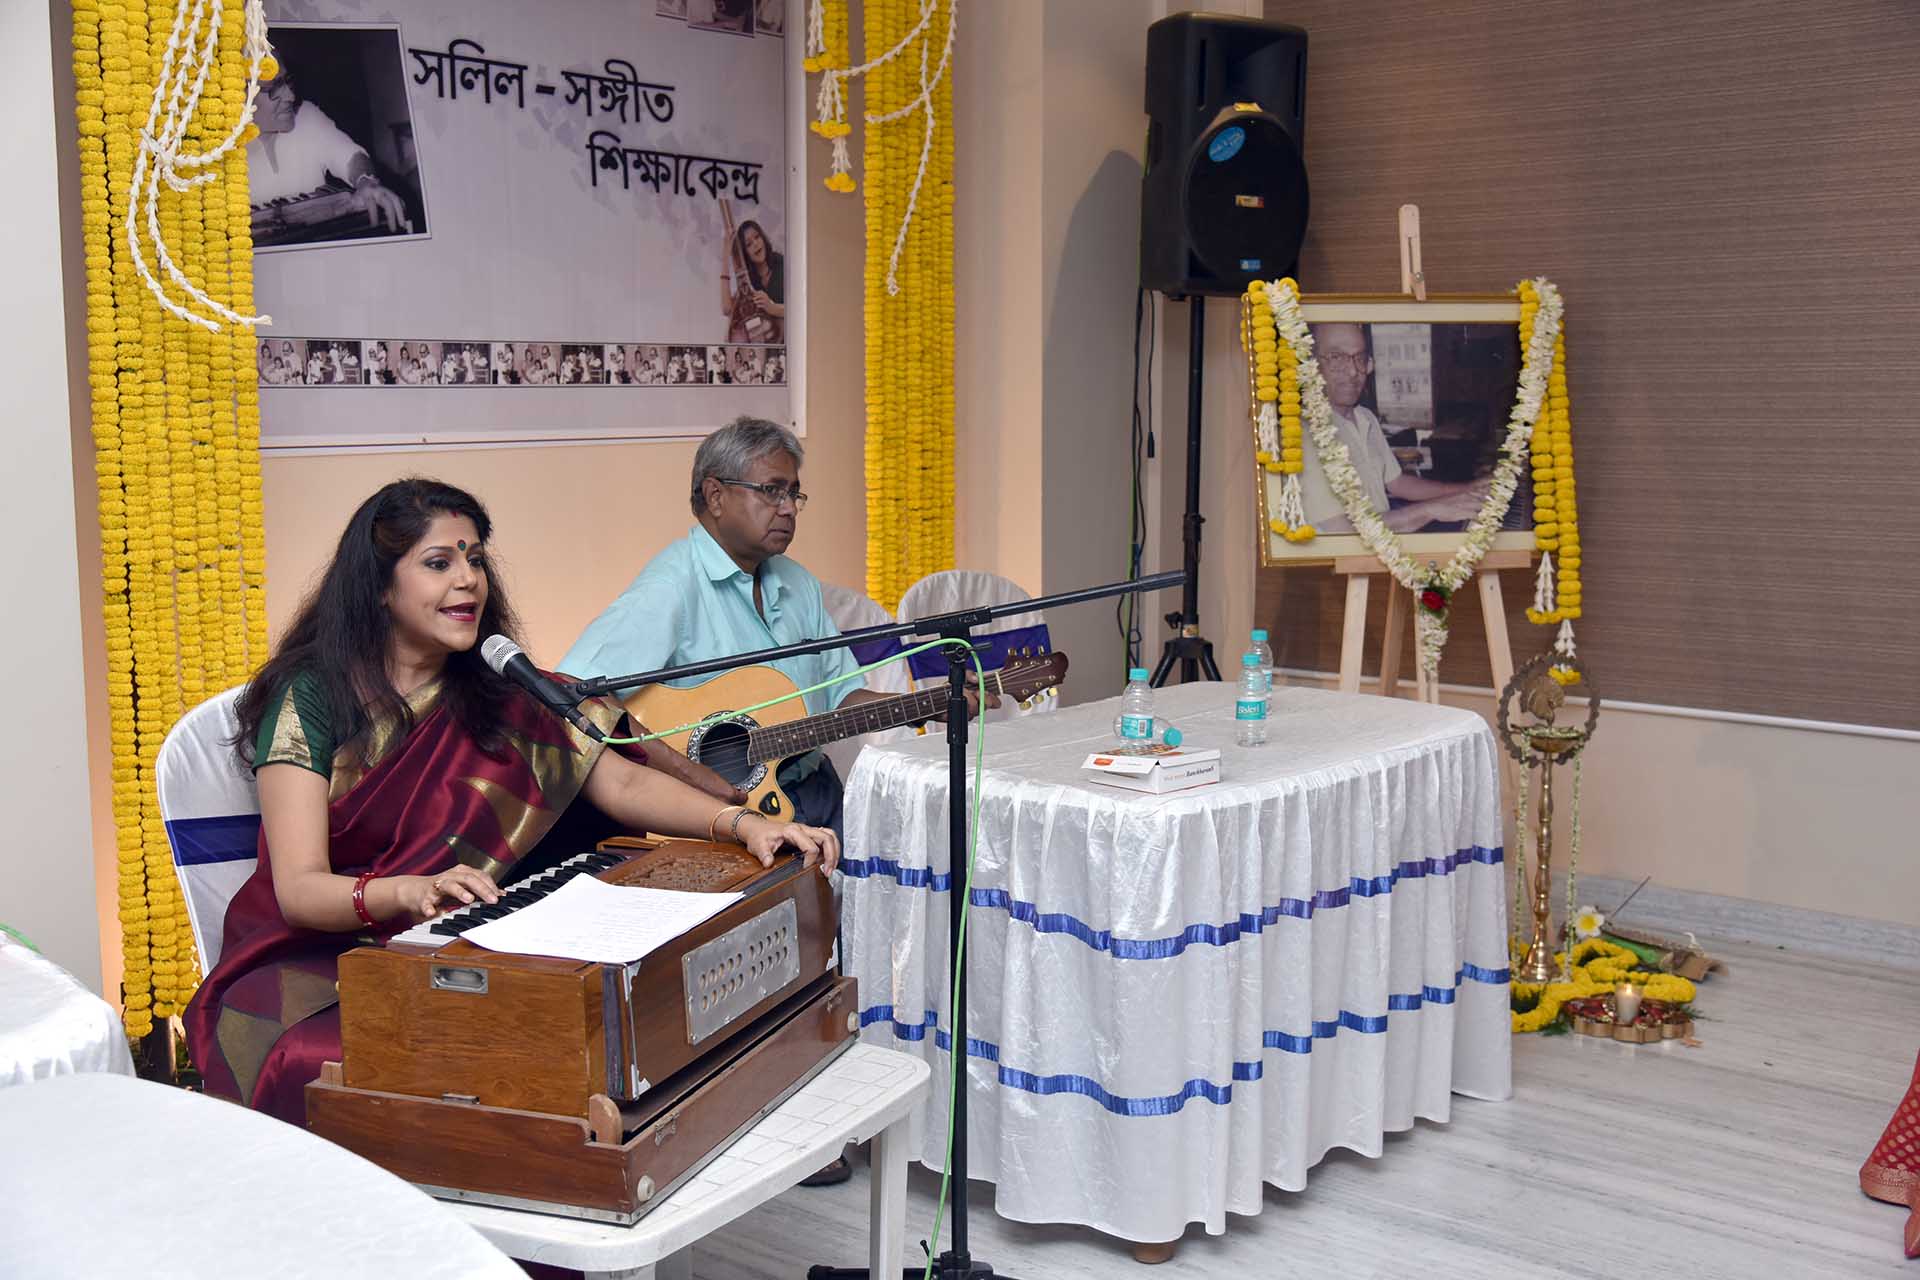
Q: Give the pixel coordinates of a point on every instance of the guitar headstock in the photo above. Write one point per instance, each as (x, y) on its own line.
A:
(1027, 674)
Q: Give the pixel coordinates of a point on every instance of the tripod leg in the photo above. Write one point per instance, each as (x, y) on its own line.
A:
(1163, 668)
(1206, 660)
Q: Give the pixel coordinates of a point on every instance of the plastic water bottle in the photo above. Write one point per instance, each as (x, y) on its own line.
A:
(1136, 708)
(1250, 710)
(1264, 652)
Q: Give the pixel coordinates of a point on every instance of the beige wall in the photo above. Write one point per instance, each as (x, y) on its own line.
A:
(998, 342)
(1796, 815)
(45, 862)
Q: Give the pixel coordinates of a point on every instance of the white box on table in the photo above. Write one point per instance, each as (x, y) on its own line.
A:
(1167, 769)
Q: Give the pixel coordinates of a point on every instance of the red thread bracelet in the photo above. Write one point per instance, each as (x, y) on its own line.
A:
(360, 900)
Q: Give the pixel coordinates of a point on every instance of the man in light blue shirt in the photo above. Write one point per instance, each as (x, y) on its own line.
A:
(728, 587)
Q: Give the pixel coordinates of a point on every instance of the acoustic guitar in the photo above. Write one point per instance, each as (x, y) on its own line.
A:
(748, 749)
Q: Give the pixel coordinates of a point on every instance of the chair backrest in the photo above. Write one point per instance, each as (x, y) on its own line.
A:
(952, 589)
(853, 611)
(212, 813)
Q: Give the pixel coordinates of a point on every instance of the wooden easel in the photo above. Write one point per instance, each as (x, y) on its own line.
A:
(1360, 570)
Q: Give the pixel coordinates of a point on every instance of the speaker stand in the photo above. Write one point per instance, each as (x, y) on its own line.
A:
(1187, 646)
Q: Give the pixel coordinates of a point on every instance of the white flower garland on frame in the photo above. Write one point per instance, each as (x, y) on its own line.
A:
(1536, 365)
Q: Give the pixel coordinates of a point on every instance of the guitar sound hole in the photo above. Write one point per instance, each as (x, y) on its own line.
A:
(724, 750)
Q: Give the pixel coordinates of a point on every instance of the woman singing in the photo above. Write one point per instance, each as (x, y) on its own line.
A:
(400, 777)
(761, 294)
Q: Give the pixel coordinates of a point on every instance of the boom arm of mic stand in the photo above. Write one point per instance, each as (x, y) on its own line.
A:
(945, 624)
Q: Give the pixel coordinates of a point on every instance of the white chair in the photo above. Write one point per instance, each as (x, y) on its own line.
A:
(952, 589)
(212, 813)
(853, 611)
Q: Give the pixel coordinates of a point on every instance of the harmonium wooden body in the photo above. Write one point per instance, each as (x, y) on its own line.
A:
(589, 1090)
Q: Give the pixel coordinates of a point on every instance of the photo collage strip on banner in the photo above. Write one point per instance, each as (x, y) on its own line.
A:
(485, 169)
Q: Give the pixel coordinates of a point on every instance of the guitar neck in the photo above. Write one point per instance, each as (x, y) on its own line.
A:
(797, 737)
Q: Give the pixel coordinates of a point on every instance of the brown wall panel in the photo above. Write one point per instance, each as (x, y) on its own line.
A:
(1727, 192)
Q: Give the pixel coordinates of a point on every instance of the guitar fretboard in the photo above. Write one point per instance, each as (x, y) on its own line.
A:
(777, 742)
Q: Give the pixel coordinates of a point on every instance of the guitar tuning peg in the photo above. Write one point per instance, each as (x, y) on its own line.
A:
(1026, 704)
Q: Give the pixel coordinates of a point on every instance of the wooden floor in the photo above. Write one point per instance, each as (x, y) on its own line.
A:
(1735, 1159)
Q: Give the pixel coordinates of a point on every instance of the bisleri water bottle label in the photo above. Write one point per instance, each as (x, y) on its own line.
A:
(1250, 709)
(1136, 726)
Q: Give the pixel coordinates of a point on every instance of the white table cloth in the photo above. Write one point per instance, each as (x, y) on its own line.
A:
(50, 1025)
(106, 1176)
(1175, 999)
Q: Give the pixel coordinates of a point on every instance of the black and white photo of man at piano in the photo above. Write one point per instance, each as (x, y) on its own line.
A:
(332, 162)
(753, 283)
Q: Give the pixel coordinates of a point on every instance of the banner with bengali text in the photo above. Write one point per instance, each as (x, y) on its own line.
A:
(483, 221)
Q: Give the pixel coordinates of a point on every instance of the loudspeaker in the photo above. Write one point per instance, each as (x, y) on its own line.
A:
(1224, 196)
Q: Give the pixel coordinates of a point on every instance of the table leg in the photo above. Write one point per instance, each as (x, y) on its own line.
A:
(886, 1231)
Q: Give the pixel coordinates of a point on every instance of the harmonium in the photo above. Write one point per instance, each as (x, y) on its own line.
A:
(584, 1089)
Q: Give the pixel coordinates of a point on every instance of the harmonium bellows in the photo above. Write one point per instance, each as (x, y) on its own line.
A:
(578, 1088)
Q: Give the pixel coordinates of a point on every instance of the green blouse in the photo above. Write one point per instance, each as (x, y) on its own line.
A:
(297, 728)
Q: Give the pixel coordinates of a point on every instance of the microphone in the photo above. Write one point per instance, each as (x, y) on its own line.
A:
(507, 658)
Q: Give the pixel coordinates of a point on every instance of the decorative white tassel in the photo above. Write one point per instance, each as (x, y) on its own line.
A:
(1543, 600)
(1266, 430)
(1293, 513)
(1563, 644)
(840, 162)
(817, 29)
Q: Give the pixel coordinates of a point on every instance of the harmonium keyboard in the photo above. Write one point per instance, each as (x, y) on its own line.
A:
(325, 213)
(583, 1089)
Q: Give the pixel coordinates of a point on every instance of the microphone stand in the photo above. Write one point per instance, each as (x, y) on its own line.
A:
(954, 1263)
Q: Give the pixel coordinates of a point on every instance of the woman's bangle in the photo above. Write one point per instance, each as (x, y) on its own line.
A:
(360, 901)
(733, 832)
(713, 827)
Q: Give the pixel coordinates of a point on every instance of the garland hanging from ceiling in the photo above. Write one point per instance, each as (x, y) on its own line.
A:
(907, 164)
(164, 99)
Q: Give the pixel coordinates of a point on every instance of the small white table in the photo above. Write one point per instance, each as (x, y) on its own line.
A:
(50, 1025)
(105, 1176)
(868, 1092)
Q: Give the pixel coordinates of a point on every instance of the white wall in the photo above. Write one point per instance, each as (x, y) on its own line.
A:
(46, 859)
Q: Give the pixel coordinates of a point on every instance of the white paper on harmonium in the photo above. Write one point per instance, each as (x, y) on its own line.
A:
(585, 919)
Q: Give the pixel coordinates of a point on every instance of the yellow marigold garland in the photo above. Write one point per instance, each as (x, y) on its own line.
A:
(1598, 967)
(907, 157)
(176, 435)
(1556, 521)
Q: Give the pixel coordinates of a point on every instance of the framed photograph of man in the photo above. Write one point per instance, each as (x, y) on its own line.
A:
(1421, 394)
(335, 161)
